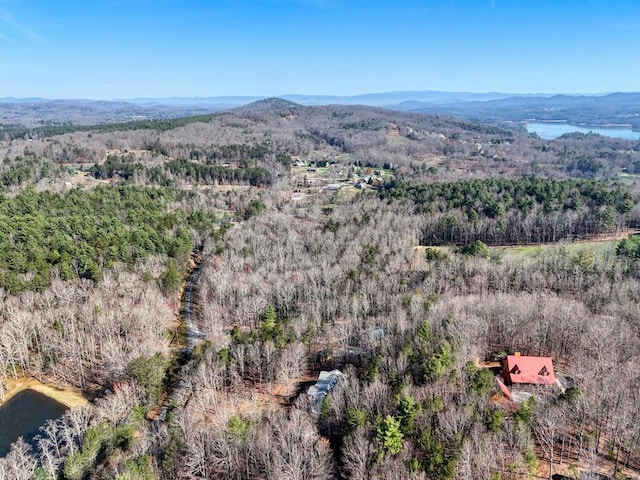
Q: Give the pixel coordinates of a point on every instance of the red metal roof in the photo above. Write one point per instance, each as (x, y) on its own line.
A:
(503, 388)
(522, 369)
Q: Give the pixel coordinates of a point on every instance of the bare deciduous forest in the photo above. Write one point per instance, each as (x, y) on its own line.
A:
(374, 242)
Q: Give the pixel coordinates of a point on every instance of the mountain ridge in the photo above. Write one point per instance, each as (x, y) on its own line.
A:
(589, 109)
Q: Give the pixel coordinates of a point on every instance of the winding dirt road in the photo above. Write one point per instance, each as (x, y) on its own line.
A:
(178, 389)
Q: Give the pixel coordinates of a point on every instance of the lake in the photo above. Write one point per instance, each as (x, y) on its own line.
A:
(24, 414)
(549, 131)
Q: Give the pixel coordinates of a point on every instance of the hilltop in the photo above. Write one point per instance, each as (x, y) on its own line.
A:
(273, 104)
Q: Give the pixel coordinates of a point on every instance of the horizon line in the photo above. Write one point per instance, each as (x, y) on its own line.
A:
(259, 96)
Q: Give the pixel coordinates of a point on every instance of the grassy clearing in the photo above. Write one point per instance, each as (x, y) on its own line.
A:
(315, 171)
(592, 248)
(397, 140)
(346, 193)
(629, 176)
(222, 188)
(521, 251)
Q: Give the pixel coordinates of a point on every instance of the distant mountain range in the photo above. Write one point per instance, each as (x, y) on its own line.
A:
(493, 107)
(387, 99)
(589, 110)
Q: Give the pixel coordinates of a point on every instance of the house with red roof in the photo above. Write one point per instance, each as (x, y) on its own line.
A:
(524, 369)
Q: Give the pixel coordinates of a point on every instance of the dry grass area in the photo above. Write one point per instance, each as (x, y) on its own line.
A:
(77, 179)
(223, 188)
(64, 394)
(256, 399)
(598, 241)
(394, 135)
(137, 153)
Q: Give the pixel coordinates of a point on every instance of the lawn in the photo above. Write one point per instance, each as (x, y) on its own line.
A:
(346, 193)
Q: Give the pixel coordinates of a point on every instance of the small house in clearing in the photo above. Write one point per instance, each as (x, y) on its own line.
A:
(327, 381)
(524, 369)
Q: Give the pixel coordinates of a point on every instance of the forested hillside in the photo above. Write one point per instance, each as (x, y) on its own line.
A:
(322, 238)
(417, 147)
(520, 211)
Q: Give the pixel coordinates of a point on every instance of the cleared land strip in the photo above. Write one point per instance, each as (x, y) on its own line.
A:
(178, 387)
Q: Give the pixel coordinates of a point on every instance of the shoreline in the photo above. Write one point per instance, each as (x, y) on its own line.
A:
(551, 130)
(610, 126)
(68, 396)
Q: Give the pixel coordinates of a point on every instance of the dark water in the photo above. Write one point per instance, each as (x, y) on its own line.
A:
(24, 414)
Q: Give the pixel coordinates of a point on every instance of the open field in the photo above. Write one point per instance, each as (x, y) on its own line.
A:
(601, 245)
(346, 193)
(593, 247)
(629, 177)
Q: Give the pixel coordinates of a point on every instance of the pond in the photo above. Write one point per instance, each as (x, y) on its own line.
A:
(23, 414)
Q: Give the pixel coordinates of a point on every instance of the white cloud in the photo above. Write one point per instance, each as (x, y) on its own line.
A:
(8, 20)
(13, 42)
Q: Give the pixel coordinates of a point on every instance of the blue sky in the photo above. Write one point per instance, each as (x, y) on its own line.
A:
(105, 49)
